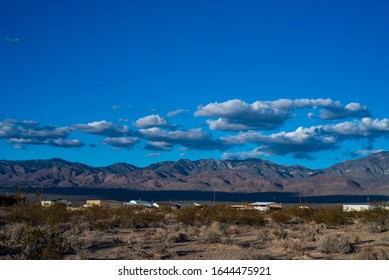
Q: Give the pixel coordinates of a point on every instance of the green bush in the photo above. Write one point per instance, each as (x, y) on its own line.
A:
(221, 214)
(334, 216)
(282, 216)
(35, 214)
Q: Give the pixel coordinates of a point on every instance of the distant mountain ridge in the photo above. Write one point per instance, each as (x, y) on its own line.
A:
(368, 175)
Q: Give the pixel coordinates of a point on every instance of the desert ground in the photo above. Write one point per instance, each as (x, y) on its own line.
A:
(209, 233)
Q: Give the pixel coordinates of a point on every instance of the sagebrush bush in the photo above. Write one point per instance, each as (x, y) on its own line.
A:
(331, 244)
(35, 243)
(212, 233)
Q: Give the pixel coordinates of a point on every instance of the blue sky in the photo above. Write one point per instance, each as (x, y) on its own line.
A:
(294, 82)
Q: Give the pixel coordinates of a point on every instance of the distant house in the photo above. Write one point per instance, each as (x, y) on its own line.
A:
(56, 201)
(100, 203)
(195, 204)
(93, 202)
(168, 205)
(143, 203)
(362, 207)
(261, 206)
(264, 206)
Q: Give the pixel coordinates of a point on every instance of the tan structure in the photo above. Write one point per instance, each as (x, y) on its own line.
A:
(90, 203)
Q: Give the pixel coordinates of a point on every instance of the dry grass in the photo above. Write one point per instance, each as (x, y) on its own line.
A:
(33, 232)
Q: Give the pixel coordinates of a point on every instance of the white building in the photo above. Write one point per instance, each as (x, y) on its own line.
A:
(56, 201)
(265, 206)
(356, 207)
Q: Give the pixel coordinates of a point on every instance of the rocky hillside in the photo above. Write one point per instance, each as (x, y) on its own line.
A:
(369, 175)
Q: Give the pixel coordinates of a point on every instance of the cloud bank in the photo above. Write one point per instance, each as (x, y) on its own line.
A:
(235, 124)
(237, 115)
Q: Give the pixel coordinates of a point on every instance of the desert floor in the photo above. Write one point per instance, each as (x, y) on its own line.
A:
(276, 237)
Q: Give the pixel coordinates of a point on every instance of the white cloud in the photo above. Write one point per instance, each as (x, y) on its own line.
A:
(103, 128)
(243, 155)
(150, 121)
(304, 141)
(365, 128)
(237, 115)
(337, 111)
(65, 143)
(300, 142)
(176, 112)
(121, 142)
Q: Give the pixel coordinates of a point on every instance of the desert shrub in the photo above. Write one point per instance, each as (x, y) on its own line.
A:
(233, 230)
(221, 214)
(334, 216)
(177, 237)
(282, 216)
(35, 243)
(295, 245)
(191, 216)
(35, 214)
(160, 234)
(213, 233)
(376, 219)
(302, 213)
(250, 217)
(368, 253)
(331, 244)
(137, 217)
(94, 213)
(312, 232)
(98, 217)
(264, 235)
(146, 218)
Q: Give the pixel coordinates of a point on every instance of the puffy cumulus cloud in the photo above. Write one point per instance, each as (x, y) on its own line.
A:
(304, 141)
(351, 110)
(176, 112)
(150, 121)
(300, 142)
(158, 146)
(193, 138)
(103, 128)
(124, 143)
(237, 115)
(365, 128)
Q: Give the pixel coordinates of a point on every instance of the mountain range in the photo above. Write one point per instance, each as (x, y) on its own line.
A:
(368, 175)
